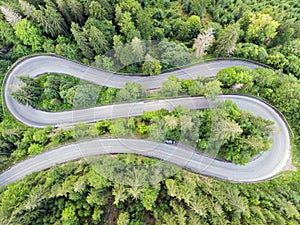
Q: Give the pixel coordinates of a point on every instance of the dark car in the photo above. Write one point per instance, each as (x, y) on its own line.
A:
(170, 141)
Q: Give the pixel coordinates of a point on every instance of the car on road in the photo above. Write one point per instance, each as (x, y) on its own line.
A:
(170, 142)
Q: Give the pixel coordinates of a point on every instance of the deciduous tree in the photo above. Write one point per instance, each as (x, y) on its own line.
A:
(262, 29)
(202, 42)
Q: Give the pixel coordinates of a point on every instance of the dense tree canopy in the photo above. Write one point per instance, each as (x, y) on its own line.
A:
(86, 31)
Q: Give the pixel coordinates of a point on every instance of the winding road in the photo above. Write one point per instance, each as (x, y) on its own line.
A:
(266, 166)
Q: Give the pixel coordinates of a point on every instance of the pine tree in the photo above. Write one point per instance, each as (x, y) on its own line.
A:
(28, 9)
(120, 194)
(81, 38)
(227, 40)
(63, 8)
(77, 11)
(51, 20)
(10, 15)
(98, 41)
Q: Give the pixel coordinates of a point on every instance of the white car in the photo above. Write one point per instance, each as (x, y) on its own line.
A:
(170, 141)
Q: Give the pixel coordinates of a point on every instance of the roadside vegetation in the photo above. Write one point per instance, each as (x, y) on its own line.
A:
(77, 193)
(189, 31)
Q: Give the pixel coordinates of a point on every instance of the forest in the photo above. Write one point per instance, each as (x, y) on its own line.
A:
(148, 37)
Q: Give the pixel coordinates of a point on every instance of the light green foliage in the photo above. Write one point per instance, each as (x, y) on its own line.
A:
(212, 89)
(29, 92)
(251, 51)
(171, 121)
(29, 34)
(262, 28)
(194, 23)
(151, 65)
(82, 39)
(277, 60)
(96, 10)
(157, 131)
(120, 194)
(82, 130)
(120, 128)
(171, 87)
(34, 149)
(68, 215)
(235, 75)
(123, 218)
(131, 92)
(66, 48)
(144, 24)
(149, 197)
(102, 127)
(41, 136)
(138, 49)
(127, 27)
(132, 6)
(97, 215)
(226, 129)
(74, 193)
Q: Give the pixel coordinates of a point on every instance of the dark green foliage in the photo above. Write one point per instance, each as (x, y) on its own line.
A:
(96, 22)
(55, 92)
(227, 40)
(283, 91)
(75, 193)
(29, 92)
(173, 55)
(78, 193)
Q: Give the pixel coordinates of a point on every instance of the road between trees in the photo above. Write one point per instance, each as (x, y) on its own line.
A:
(263, 167)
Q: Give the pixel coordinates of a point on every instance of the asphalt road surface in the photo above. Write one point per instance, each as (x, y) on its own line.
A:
(266, 166)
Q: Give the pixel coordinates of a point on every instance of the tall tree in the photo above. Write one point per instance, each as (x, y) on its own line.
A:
(227, 40)
(138, 49)
(64, 9)
(10, 15)
(120, 194)
(262, 29)
(131, 92)
(98, 41)
(212, 89)
(171, 121)
(202, 42)
(226, 129)
(127, 27)
(28, 9)
(151, 65)
(29, 34)
(51, 20)
(172, 87)
(77, 10)
(145, 24)
(194, 24)
(81, 38)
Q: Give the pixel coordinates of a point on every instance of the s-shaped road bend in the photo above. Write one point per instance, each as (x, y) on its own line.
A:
(266, 166)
